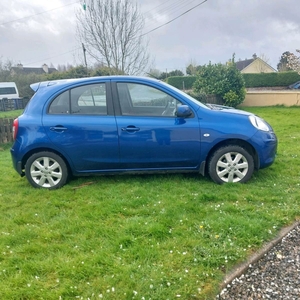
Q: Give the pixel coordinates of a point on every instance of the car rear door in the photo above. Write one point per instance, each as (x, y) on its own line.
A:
(80, 123)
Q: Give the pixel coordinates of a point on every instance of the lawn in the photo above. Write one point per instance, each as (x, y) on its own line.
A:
(10, 113)
(143, 237)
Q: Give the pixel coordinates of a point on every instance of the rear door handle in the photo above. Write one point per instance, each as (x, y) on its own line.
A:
(130, 128)
(58, 128)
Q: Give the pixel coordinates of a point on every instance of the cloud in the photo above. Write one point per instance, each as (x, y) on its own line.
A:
(210, 32)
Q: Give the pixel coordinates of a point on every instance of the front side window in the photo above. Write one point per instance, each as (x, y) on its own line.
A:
(139, 99)
(86, 100)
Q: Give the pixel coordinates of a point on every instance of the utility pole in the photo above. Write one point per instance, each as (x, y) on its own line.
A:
(84, 50)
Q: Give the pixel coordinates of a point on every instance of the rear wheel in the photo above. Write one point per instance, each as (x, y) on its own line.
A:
(231, 164)
(46, 170)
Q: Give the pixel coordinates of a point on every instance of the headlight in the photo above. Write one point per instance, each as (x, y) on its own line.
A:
(259, 123)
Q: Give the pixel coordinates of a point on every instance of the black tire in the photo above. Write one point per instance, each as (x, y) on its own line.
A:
(46, 170)
(230, 164)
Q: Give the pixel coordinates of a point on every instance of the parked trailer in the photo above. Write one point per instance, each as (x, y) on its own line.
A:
(8, 90)
(9, 97)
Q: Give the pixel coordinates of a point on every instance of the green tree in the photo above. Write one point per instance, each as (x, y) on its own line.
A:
(283, 66)
(165, 75)
(192, 69)
(294, 61)
(101, 71)
(225, 81)
(175, 73)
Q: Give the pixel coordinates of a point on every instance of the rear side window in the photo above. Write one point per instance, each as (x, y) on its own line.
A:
(83, 100)
(61, 104)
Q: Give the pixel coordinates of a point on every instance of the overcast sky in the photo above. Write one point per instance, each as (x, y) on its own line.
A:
(41, 31)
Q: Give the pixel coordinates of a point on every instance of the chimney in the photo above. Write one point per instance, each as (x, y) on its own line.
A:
(20, 66)
(45, 68)
(254, 56)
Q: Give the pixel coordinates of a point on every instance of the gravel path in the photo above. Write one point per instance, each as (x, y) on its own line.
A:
(276, 275)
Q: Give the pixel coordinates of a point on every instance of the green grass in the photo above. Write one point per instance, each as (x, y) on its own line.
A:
(142, 237)
(10, 113)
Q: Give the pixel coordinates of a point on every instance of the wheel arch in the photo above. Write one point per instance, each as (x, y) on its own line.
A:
(42, 149)
(235, 142)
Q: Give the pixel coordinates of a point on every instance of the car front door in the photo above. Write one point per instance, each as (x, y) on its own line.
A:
(80, 124)
(150, 134)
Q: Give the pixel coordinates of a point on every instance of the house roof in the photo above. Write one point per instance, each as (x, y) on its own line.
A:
(242, 64)
(28, 70)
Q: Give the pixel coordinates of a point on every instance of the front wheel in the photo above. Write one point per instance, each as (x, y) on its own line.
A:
(231, 164)
(46, 170)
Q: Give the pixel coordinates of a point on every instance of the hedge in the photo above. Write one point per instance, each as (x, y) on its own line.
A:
(271, 79)
(251, 80)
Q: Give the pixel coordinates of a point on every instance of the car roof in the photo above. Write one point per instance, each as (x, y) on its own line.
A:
(66, 82)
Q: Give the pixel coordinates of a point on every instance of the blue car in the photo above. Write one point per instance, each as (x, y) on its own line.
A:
(124, 124)
(295, 86)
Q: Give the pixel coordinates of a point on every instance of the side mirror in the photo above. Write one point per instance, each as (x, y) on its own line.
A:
(183, 111)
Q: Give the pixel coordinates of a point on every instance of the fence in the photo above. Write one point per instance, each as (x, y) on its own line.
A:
(6, 134)
(13, 104)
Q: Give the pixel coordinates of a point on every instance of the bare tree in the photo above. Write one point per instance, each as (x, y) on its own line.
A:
(5, 68)
(111, 31)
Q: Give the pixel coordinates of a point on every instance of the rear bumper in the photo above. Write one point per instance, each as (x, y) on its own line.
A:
(17, 164)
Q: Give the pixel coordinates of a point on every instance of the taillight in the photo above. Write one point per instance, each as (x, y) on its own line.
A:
(15, 128)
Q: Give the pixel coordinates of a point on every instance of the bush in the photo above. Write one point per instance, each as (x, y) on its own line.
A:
(200, 96)
(231, 99)
(225, 81)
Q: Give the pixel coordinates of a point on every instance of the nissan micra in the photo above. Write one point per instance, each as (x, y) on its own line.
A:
(120, 124)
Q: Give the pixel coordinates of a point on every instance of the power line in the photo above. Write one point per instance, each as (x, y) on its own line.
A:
(170, 9)
(175, 18)
(148, 11)
(40, 13)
